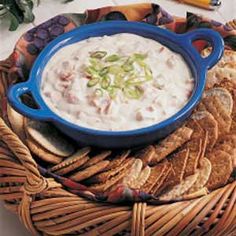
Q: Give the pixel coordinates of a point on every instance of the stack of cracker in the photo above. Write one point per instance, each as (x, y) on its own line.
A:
(197, 158)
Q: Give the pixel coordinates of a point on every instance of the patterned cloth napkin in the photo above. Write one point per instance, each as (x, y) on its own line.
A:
(32, 42)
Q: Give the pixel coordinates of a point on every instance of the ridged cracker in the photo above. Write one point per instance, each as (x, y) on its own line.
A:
(179, 162)
(72, 159)
(49, 138)
(107, 174)
(156, 173)
(224, 96)
(99, 157)
(160, 184)
(209, 125)
(195, 150)
(142, 178)
(215, 107)
(117, 161)
(221, 169)
(171, 143)
(146, 154)
(198, 131)
(111, 183)
(43, 154)
(134, 173)
(90, 171)
(73, 166)
(204, 174)
(180, 189)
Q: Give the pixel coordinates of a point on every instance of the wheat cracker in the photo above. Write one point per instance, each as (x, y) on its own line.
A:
(171, 143)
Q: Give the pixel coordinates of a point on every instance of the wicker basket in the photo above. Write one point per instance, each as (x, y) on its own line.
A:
(46, 208)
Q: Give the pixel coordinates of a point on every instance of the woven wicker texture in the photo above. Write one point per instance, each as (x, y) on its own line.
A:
(44, 207)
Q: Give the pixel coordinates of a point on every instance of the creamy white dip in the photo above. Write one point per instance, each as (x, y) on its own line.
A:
(65, 89)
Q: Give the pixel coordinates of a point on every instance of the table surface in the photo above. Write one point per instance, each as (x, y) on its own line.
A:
(9, 223)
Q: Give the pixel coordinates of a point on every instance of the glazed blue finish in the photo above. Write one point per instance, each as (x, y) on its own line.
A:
(180, 43)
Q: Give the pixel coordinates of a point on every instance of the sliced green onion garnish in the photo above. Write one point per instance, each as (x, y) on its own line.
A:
(140, 56)
(112, 58)
(104, 71)
(105, 82)
(112, 92)
(92, 82)
(99, 92)
(115, 69)
(127, 67)
(98, 54)
(134, 92)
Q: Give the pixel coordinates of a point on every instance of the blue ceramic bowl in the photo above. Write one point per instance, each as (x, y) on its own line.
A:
(179, 43)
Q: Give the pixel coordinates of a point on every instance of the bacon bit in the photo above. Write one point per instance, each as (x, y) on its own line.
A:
(139, 116)
(161, 49)
(150, 108)
(47, 94)
(67, 76)
(70, 98)
(107, 107)
(170, 63)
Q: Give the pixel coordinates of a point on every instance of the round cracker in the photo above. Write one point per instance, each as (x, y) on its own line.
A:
(180, 189)
(204, 174)
(222, 168)
(17, 122)
(49, 138)
(90, 171)
(209, 124)
(72, 159)
(42, 153)
(224, 96)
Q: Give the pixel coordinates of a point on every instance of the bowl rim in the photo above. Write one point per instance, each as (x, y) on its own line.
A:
(199, 77)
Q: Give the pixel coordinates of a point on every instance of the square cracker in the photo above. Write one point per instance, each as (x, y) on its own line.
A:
(208, 123)
(195, 150)
(156, 173)
(179, 162)
(171, 143)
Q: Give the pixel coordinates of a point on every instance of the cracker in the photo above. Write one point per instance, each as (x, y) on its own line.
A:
(99, 157)
(171, 143)
(204, 146)
(146, 154)
(156, 173)
(111, 183)
(223, 95)
(160, 184)
(204, 174)
(17, 122)
(74, 158)
(188, 196)
(178, 190)
(90, 171)
(117, 161)
(228, 144)
(42, 153)
(73, 166)
(106, 175)
(142, 178)
(195, 150)
(49, 138)
(209, 125)
(134, 173)
(198, 131)
(179, 162)
(221, 169)
(215, 107)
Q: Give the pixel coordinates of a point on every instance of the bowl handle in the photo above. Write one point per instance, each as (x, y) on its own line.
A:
(14, 94)
(214, 38)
